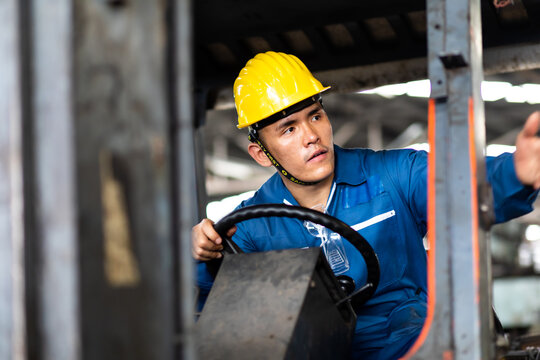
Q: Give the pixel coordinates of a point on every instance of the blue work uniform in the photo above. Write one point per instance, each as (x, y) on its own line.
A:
(383, 196)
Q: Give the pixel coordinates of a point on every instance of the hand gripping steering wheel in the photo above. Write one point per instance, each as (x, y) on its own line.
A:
(277, 210)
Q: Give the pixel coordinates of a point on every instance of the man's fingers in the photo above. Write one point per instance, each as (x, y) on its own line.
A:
(205, 255)
(532, 124)
(207, 227)
(204, 249)
(206, 242)
(537, 184)
(231, 231)
(208, 245)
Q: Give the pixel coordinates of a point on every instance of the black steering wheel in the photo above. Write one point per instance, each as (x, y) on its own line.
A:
(277, 210)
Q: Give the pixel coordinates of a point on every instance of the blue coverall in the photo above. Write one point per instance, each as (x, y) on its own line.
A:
(382, 195)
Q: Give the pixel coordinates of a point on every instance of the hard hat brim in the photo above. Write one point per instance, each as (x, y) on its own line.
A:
(280, 114)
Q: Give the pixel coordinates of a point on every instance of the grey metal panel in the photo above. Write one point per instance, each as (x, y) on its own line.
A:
(511, 58)
(55, 178)
(369, 76)
(184, 148)
(12, 317)
(275, 305)
(123, 174)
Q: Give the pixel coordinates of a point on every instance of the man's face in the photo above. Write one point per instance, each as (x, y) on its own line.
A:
(303, 143)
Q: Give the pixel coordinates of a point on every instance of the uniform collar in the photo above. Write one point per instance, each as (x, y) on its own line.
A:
(348, 170)
(348, 166)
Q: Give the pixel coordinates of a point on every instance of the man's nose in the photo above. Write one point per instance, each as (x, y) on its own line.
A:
(311, 135)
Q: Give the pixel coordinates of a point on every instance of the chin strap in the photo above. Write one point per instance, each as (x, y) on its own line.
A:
(254, 137)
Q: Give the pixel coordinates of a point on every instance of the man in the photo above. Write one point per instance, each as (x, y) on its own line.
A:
(382, 195)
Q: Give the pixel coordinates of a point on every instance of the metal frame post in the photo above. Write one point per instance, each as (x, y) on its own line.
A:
(184, 149)
(12, 295)
(459, 278)
(54, 179)
(38, 246)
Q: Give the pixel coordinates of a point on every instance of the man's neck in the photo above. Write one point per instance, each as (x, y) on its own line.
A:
(310, 195)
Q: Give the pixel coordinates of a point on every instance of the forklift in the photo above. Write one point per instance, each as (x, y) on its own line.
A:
(102, 107)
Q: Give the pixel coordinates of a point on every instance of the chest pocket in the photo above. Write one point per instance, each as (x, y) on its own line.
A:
(368, 209)
(279, 233)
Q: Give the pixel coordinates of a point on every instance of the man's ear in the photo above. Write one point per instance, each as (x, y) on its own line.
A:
(258, 155)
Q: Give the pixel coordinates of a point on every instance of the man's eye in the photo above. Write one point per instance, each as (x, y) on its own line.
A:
(316, 117)
(288, 130)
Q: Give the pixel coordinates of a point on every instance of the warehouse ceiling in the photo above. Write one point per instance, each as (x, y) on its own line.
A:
(335, 35)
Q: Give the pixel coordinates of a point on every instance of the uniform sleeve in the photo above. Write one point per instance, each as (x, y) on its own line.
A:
(408, 171)
(204, 283)
(511, 198)
(416, 186)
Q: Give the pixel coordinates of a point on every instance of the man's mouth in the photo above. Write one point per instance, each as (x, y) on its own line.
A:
(317, 153)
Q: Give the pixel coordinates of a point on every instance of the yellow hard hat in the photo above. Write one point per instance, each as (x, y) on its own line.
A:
(269, 83)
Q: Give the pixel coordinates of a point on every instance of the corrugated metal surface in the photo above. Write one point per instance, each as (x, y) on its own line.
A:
(332, 35)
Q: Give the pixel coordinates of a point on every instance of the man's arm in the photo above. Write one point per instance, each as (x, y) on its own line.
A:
(206, 245)
(514, 177)
(527, 155)
(511, 198)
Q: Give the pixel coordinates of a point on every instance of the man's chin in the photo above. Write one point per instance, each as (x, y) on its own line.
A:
(320, 178)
